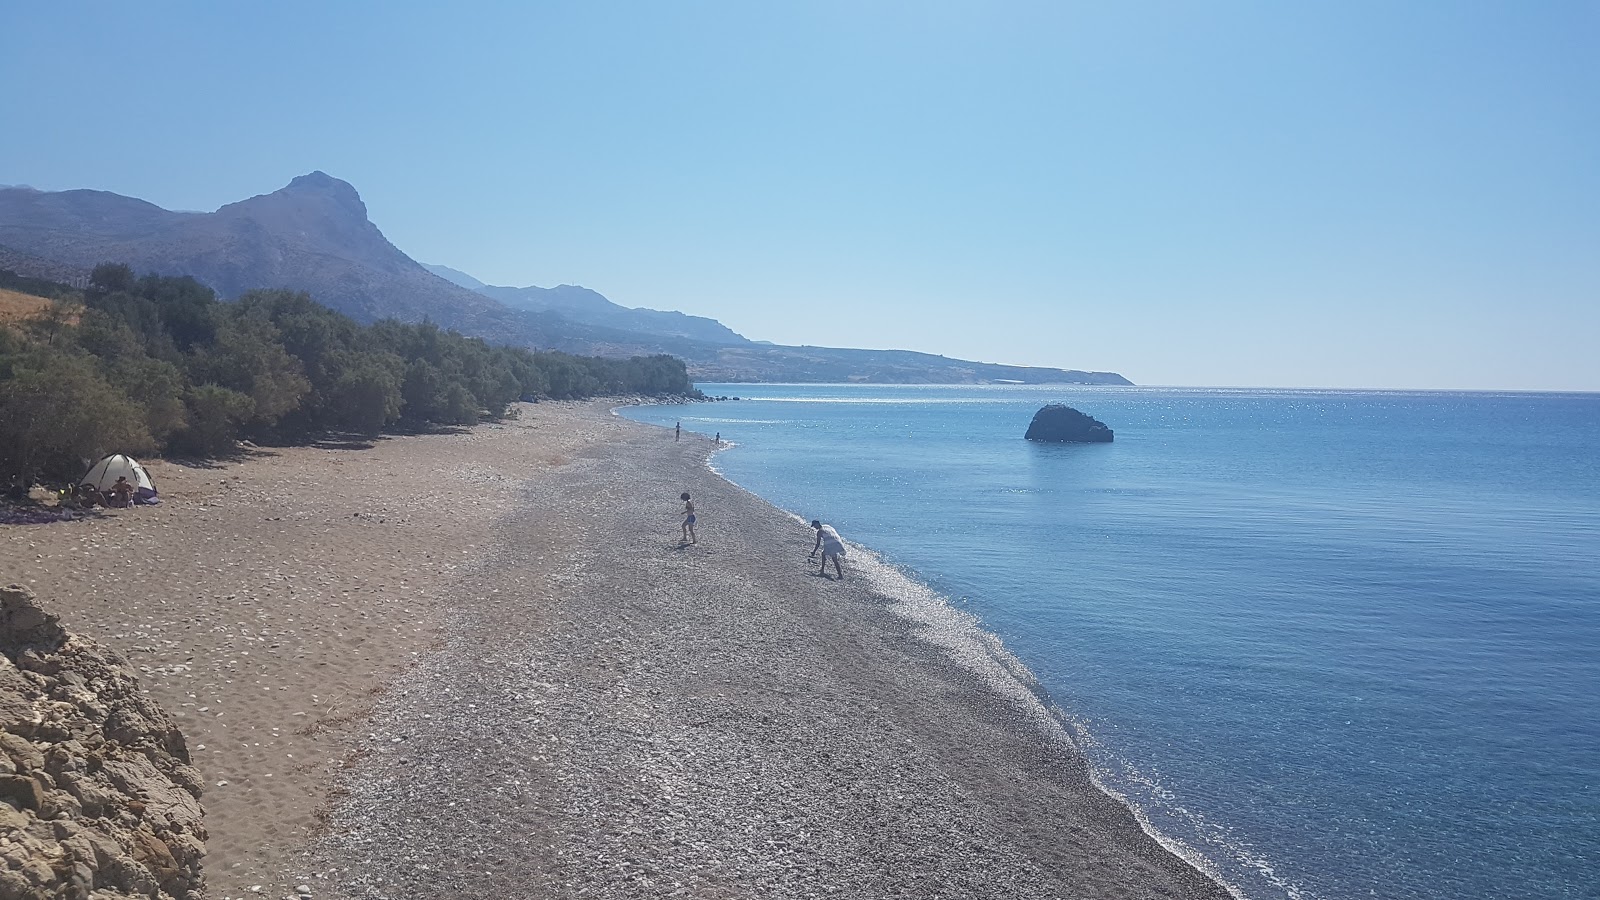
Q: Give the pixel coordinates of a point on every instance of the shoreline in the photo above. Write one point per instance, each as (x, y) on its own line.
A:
(971, 644)
(479, 665)
(639, 718)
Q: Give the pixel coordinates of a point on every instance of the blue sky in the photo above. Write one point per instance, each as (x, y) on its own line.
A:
(1275, 194)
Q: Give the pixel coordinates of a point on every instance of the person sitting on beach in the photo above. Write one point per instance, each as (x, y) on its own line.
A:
(829, 542)
(122, 492)
(688, 518)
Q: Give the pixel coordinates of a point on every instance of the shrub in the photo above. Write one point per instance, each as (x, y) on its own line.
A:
(157, 362)
(215, 414)
(58, 414)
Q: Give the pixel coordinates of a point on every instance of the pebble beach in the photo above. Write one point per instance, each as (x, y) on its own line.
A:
(482, 664)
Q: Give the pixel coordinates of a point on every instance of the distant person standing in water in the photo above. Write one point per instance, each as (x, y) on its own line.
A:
(677, 431)
(718, 439)
(688, 518)
(829, 542)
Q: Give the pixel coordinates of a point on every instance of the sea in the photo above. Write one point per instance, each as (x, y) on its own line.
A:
(1326, 644)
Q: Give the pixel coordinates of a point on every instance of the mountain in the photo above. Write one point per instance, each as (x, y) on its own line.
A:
(30, 266)
(456, 277)
(832, 365)
(579, 304)
(715, 352)
(313, 235)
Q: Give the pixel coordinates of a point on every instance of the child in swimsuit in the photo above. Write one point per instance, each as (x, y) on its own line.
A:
(688, 518)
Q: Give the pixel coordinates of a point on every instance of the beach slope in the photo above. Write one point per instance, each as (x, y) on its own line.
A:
(614, 714)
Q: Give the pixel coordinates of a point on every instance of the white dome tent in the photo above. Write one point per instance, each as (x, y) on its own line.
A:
(104, 474)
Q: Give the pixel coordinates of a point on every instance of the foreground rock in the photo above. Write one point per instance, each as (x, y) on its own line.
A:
(97, 797)
(1063, 424)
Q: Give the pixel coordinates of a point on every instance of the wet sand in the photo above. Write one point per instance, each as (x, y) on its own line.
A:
(500, 674)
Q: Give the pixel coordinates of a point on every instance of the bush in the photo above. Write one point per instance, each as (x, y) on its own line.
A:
(215, 414)
(365, 395)
(153, 363)
(58, 415)
(157, 388)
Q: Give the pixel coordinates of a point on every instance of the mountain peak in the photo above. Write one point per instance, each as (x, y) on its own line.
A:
(321, 184)
(318, 180)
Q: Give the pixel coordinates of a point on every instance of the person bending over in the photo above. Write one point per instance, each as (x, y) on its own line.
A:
(831, 545)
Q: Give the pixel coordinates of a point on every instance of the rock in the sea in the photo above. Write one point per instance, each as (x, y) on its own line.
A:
(1060, 423)
(98, 799)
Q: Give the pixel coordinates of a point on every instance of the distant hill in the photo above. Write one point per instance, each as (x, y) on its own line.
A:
(715, 352)
(456, 277)
(831, 365)
(579, 304)
(313, 235)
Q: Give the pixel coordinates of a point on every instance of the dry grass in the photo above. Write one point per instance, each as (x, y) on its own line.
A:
(17, 307)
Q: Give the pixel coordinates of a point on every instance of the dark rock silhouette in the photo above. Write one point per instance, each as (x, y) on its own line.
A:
(1063, 424)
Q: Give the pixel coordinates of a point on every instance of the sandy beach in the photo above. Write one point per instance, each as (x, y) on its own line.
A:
(483, 665)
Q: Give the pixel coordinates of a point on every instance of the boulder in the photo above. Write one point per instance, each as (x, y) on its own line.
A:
(98, 799)
(1063, 424)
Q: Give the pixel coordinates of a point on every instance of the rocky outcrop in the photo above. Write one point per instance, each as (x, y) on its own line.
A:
(97, 797)
(1063, 424)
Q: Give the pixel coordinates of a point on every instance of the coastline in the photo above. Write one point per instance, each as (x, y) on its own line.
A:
(479, 665)
(971, 645)
(633, 718)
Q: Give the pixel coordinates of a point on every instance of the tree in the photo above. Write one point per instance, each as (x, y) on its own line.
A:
(160, 362)
(248, 358)
(108, 337)
(366, 395)
(64, 310)
(215, 414)
(187, 310)
(157, 388)
(109, 278)
(58, 414)
(422, 393)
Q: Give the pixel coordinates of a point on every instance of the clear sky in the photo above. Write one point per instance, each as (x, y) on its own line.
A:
(1352, 194)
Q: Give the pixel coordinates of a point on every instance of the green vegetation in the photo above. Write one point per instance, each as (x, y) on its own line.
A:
(157, 364)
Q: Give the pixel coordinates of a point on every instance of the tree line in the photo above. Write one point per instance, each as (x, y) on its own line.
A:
(158, 364)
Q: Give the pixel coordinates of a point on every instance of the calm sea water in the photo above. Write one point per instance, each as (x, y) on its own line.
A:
(1337, 644)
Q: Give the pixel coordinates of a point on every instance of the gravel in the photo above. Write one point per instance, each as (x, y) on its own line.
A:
(613, 714)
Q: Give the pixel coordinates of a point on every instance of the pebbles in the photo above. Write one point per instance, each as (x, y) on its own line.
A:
(279, 593)
(599, 713)
(629, 718)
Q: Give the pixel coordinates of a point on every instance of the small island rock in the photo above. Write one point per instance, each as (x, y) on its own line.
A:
(1063, 424)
